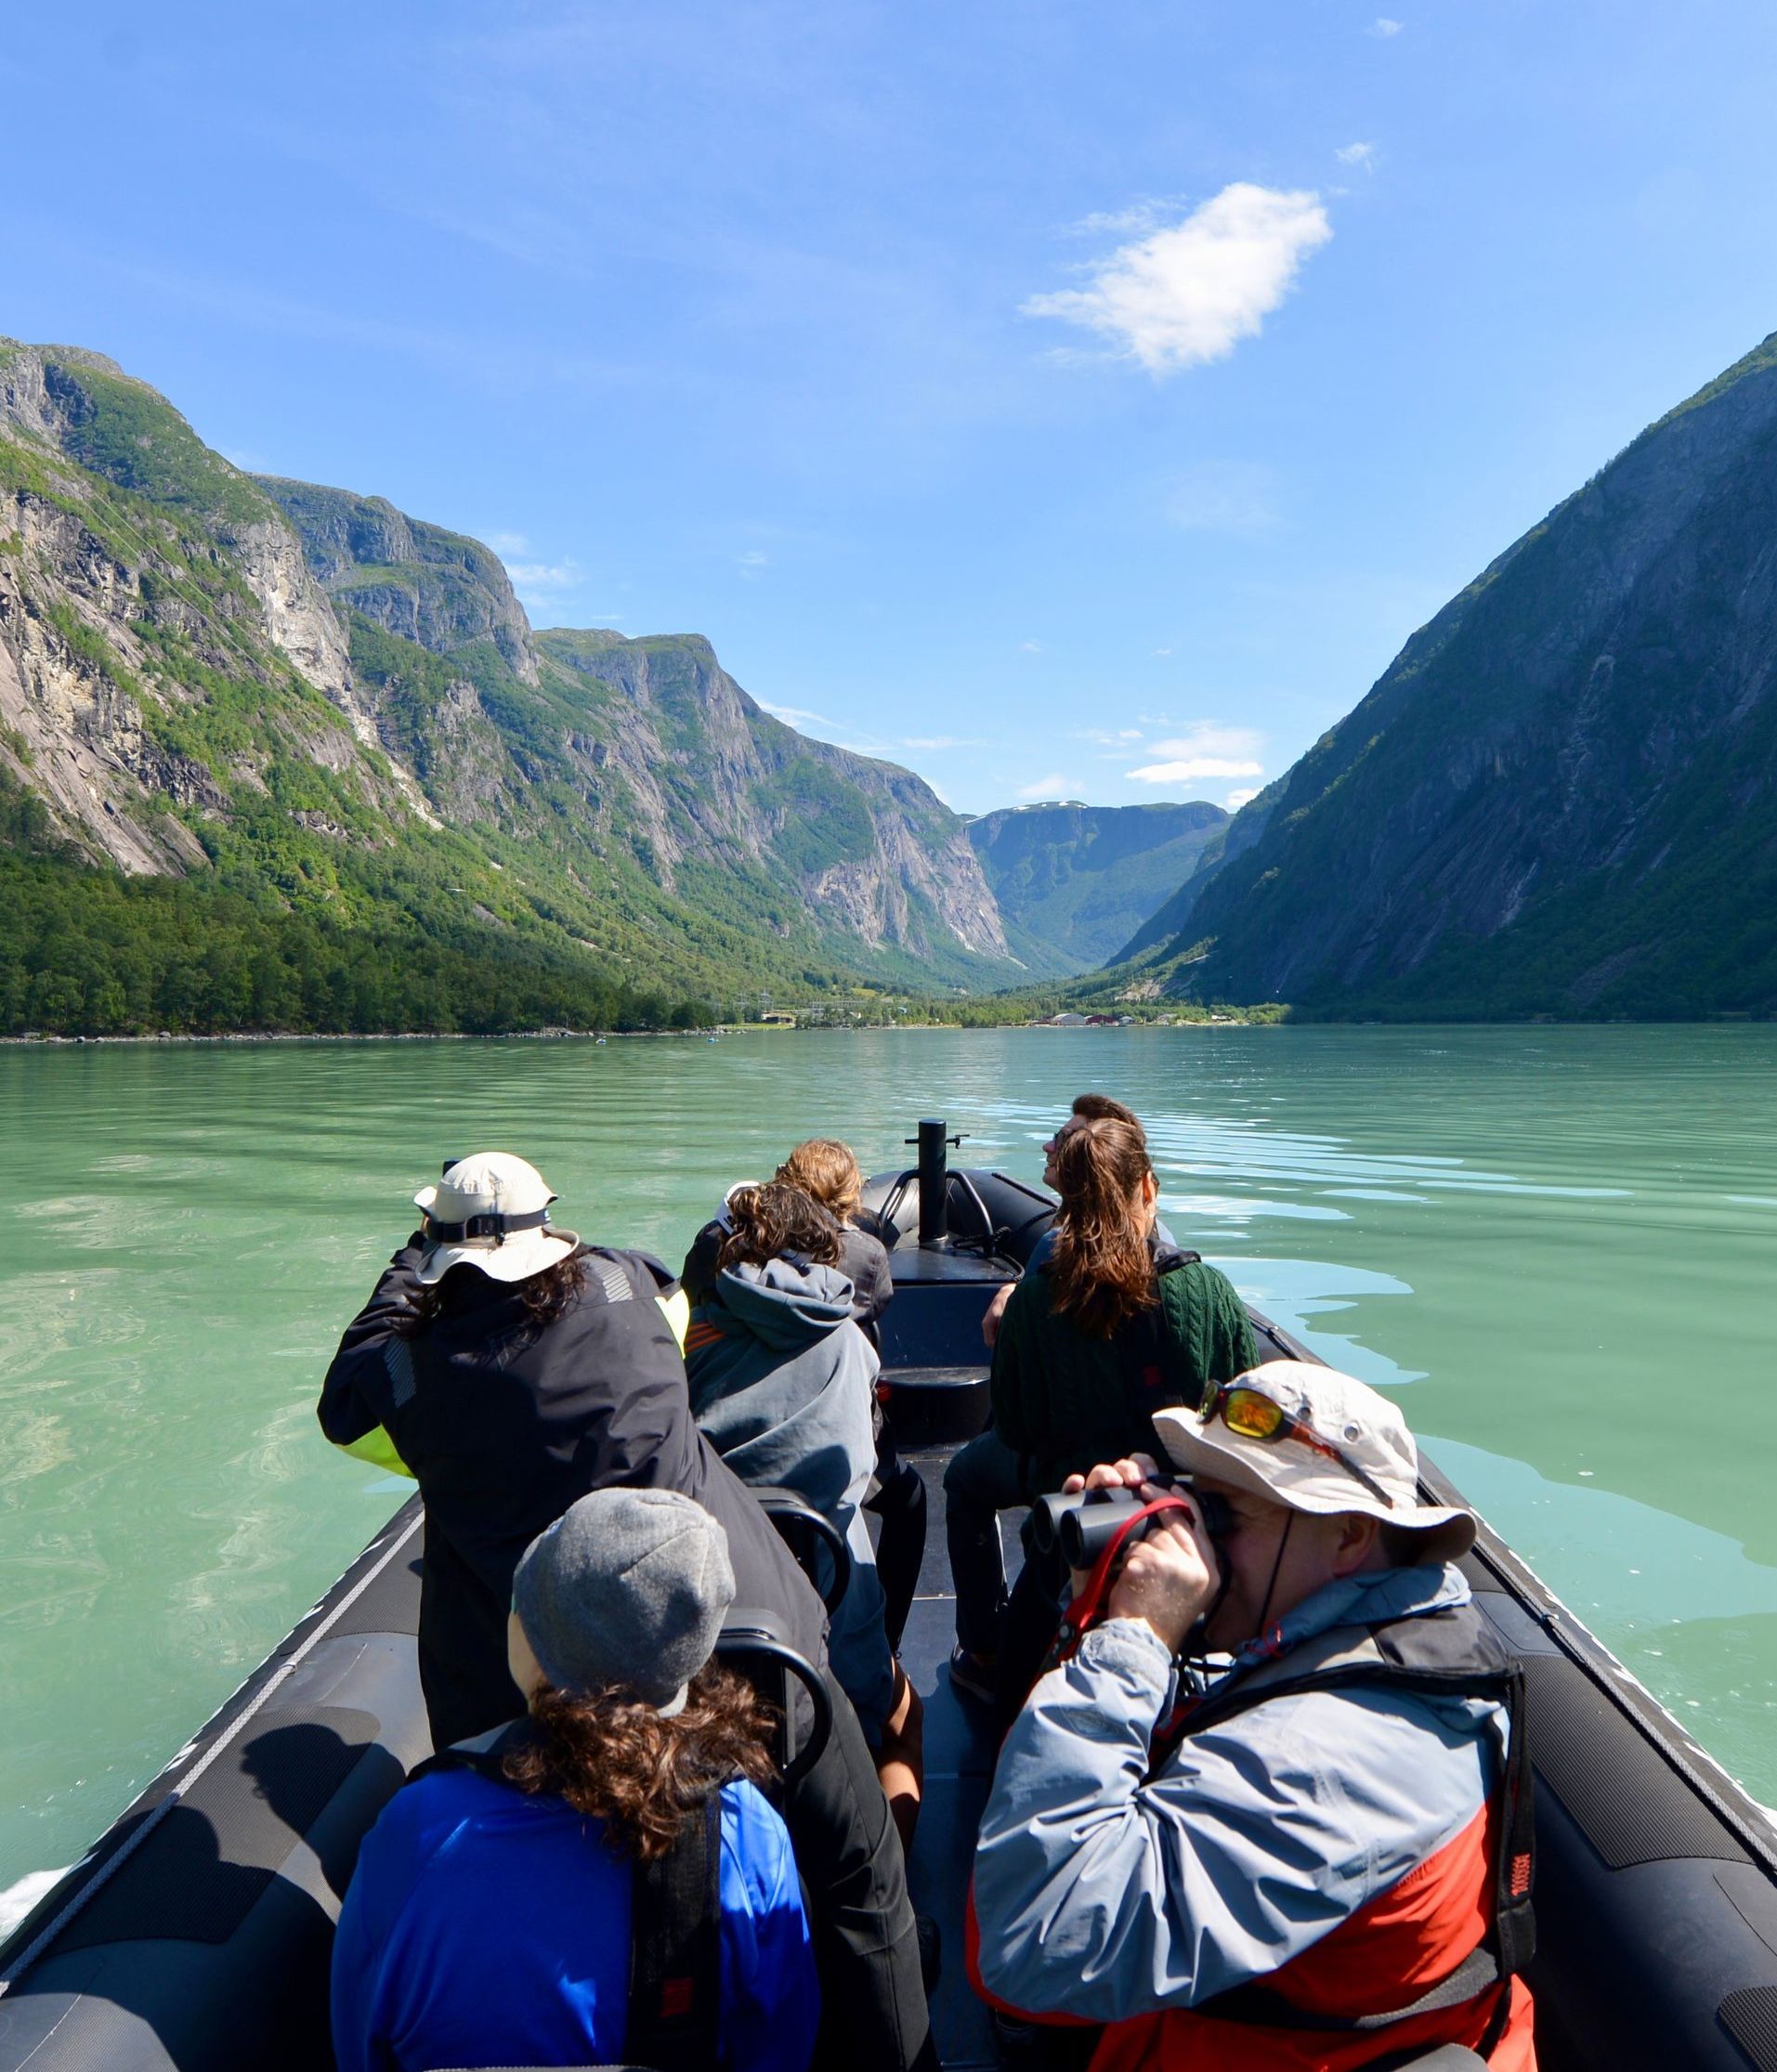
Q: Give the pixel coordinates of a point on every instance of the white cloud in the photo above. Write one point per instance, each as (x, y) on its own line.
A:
(1162, 652)
(1188, 293)
(796, 715)
(539, 581)
(1357, 154)
(1194, 769)
(504, 543)
(248, 462)
(941, 741)
(1225, 496)
(751, 562)
(1030, 647)
(1045, 787)
(1235, 800)
(1108, 740)
(1139, 216)
(1384, 28)
(1207, 750)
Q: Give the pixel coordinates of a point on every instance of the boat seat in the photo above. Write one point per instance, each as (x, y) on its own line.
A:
(756, 1644)
(1449, 2057)
(812, 1537)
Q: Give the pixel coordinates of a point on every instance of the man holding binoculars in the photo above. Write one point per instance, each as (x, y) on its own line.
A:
(1316, 1854)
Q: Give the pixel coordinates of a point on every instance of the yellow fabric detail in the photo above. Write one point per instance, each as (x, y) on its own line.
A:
(378, 1449)
(676, 1308)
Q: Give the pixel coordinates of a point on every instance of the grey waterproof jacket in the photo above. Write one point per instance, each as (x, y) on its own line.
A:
(782, 1385)
(1106, 1893)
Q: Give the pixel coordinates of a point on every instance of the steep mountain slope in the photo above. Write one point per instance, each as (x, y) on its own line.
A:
(346, 787)
(1561, 796)
(643, 765)
(199, 828)
(1073, 880)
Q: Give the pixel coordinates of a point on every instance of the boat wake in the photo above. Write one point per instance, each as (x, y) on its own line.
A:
(17, 1900)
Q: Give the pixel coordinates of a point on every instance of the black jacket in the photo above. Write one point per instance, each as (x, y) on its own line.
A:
(505, 1423)
(862, 1258)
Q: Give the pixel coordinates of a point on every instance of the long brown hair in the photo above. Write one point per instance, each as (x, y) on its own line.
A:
(1103, 1273)
(545, 1296)
(619, 1761)
(827, 1170)
(775, 1218)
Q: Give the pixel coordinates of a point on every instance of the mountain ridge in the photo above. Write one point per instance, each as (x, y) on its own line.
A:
(1561, 798)
(346, 723)
(1072, 879)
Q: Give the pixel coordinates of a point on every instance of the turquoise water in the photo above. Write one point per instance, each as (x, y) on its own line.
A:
(1557, 1242)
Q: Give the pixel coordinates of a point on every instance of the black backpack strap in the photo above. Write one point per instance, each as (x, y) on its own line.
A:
(485, 1754)
(675, 1951)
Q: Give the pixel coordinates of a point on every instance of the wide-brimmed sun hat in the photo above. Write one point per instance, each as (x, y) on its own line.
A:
(1337, 1446)
(491, 1211)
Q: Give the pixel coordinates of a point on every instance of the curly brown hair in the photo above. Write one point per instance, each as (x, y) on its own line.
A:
(775, 1218)
(620, 1760)
(827, 1170)
(546, 1295)
(1103, 1269)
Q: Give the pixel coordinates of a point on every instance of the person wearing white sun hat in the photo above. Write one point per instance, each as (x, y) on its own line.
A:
(491, 1212)
(510, 1368)
(1317, 1854)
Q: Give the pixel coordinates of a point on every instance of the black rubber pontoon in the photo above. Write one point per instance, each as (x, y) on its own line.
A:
(196, 1932)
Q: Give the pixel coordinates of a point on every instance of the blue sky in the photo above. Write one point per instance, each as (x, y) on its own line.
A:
(1065, 400)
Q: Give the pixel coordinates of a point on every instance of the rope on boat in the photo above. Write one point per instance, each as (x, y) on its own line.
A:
(285, 1670)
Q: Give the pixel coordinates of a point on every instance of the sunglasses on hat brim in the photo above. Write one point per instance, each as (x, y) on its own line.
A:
(1250, 1413)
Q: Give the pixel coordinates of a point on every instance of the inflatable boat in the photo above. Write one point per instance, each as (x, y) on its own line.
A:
(196, 1932)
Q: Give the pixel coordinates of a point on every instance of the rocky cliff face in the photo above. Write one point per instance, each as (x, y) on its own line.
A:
(1073, 880)
(1562, 798)
(710, 777)
(140, 577)
(342, 713)
(438, 589)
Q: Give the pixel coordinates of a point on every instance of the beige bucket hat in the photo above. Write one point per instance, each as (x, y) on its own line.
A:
(490, 1211)
(1349, 1424)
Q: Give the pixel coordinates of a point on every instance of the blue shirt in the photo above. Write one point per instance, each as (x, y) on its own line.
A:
(484, 1926)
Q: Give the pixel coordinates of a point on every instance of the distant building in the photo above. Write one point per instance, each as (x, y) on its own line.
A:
(778, 1018)
(1066, 1021)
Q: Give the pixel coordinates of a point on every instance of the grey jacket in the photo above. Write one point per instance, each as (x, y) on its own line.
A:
(1105, 1896)
(782, 1385)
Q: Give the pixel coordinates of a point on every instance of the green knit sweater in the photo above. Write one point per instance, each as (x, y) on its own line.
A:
(1069, 1401)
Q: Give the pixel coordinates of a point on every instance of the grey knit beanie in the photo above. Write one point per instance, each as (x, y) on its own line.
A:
(627, 1587)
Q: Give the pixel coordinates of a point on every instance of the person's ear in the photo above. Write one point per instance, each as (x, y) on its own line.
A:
(1150, 1188)
(1360, 1536)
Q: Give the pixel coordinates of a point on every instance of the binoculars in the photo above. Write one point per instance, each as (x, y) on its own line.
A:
(1082, 1526)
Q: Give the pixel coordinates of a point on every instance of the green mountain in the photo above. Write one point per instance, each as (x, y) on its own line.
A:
(1561, 796)
(274, 755)
(1073, 880)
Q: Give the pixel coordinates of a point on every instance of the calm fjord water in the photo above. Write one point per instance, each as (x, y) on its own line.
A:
(1558, 1242)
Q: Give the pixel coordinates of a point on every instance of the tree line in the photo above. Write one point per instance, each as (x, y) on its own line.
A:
(88, 951)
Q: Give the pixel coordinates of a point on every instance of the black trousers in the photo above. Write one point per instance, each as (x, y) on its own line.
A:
(867, 1949)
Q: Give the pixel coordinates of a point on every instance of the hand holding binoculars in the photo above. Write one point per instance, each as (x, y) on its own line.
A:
(1083, 1525)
